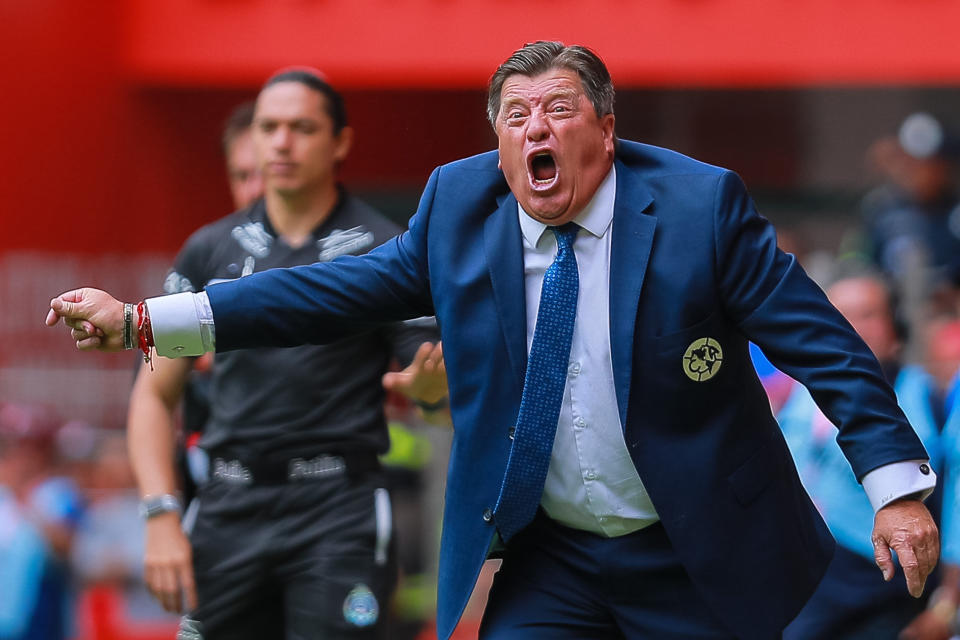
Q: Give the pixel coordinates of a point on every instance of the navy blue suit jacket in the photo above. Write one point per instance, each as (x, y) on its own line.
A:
(691, 259)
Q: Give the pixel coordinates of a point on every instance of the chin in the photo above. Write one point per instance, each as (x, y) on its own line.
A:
(547, 212)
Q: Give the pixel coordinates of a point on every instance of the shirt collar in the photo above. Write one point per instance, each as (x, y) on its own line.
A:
(258, 213)
(595, 217)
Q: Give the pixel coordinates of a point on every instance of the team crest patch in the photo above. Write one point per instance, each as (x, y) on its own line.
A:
(703, 359)
(360, 608)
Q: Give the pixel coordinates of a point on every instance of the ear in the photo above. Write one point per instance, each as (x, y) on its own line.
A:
(607, 127)
(344, 143)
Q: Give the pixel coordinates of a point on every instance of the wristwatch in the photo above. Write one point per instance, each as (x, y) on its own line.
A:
(151, 506)
(442, 403)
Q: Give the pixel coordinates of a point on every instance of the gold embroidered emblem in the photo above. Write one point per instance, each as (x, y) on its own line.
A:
(703, 359)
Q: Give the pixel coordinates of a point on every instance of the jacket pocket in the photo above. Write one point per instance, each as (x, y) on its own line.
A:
(681, 339)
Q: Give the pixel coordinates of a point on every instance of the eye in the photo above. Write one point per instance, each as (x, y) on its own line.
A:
(305, 126)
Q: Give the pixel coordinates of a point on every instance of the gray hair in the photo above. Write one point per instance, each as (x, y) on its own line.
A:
(538, 57)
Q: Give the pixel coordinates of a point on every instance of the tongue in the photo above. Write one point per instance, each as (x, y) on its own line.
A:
(544, 168)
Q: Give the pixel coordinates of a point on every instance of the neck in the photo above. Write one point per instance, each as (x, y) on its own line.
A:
(294, 216)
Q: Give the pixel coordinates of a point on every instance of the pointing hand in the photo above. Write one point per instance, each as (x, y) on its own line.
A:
(94, 317)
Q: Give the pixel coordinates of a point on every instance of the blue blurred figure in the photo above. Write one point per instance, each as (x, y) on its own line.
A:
(852, 601)
(39, 513)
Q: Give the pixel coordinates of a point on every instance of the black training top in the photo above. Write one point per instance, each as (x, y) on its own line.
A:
(307, 399)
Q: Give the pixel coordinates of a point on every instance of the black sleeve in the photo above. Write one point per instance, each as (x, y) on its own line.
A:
(406, 337)
(188, 271)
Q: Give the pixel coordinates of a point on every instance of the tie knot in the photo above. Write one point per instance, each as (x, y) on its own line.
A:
(565, 234)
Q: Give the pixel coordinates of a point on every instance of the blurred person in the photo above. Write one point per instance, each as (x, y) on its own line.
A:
(611, 440)
(246, 187)
(243, 172)
(292, 533)
(912, 221)
(110, 540)
(943, 355)
(39, 512)
(943, 365)
(850, 604)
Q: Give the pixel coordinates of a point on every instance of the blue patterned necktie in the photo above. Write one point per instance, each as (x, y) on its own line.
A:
(543, 386)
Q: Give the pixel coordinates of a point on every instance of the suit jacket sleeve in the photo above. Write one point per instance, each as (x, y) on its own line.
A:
(324, 302)
(778, 307)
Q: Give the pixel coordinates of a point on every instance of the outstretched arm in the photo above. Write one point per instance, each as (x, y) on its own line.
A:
(324, 302)
(313, 304)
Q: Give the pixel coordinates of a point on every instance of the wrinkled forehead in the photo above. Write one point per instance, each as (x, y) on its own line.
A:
(554, 81)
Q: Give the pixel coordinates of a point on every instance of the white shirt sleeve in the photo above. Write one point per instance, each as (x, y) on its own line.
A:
(898, 479)
(182, 324)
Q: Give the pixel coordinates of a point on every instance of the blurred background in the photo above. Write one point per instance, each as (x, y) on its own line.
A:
(111, 115)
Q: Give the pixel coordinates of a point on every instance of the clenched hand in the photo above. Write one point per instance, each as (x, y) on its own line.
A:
(905, 526)
(95, 318)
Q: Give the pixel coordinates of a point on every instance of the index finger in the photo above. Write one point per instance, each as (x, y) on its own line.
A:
(911, 569)
(188, 586)
(52, 318)
(76, 295)
(423, 352)
(927, 551)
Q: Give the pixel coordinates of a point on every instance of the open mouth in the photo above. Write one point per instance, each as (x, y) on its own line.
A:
(543, 168)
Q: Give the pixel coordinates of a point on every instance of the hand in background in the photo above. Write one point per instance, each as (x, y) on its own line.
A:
(95, 318)
(425, 379)
(926, 626)
(936, 623)
(168, 564)
(905, 526)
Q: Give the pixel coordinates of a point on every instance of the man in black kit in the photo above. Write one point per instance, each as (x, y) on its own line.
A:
(292, 535)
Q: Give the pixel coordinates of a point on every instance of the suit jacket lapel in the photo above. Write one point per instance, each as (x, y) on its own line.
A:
(632, 241)
(504, 250)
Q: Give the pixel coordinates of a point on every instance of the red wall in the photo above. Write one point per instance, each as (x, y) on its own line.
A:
(97, 160)
(403, 43)
(111, 109)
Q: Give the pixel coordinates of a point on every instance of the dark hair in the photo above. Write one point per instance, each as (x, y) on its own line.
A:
(334, 101)
(236, 123)
(537, 57)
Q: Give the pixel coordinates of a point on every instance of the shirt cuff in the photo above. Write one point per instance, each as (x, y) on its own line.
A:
(897, 480)
(182, 324)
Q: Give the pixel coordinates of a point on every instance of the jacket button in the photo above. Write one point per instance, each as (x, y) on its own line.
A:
(511, 431)
(487, 515)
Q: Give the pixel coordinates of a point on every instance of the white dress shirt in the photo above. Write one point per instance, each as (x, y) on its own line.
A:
(591, 483)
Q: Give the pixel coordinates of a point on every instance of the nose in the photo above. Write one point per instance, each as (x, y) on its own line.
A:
(537, 128)
(281, 138)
